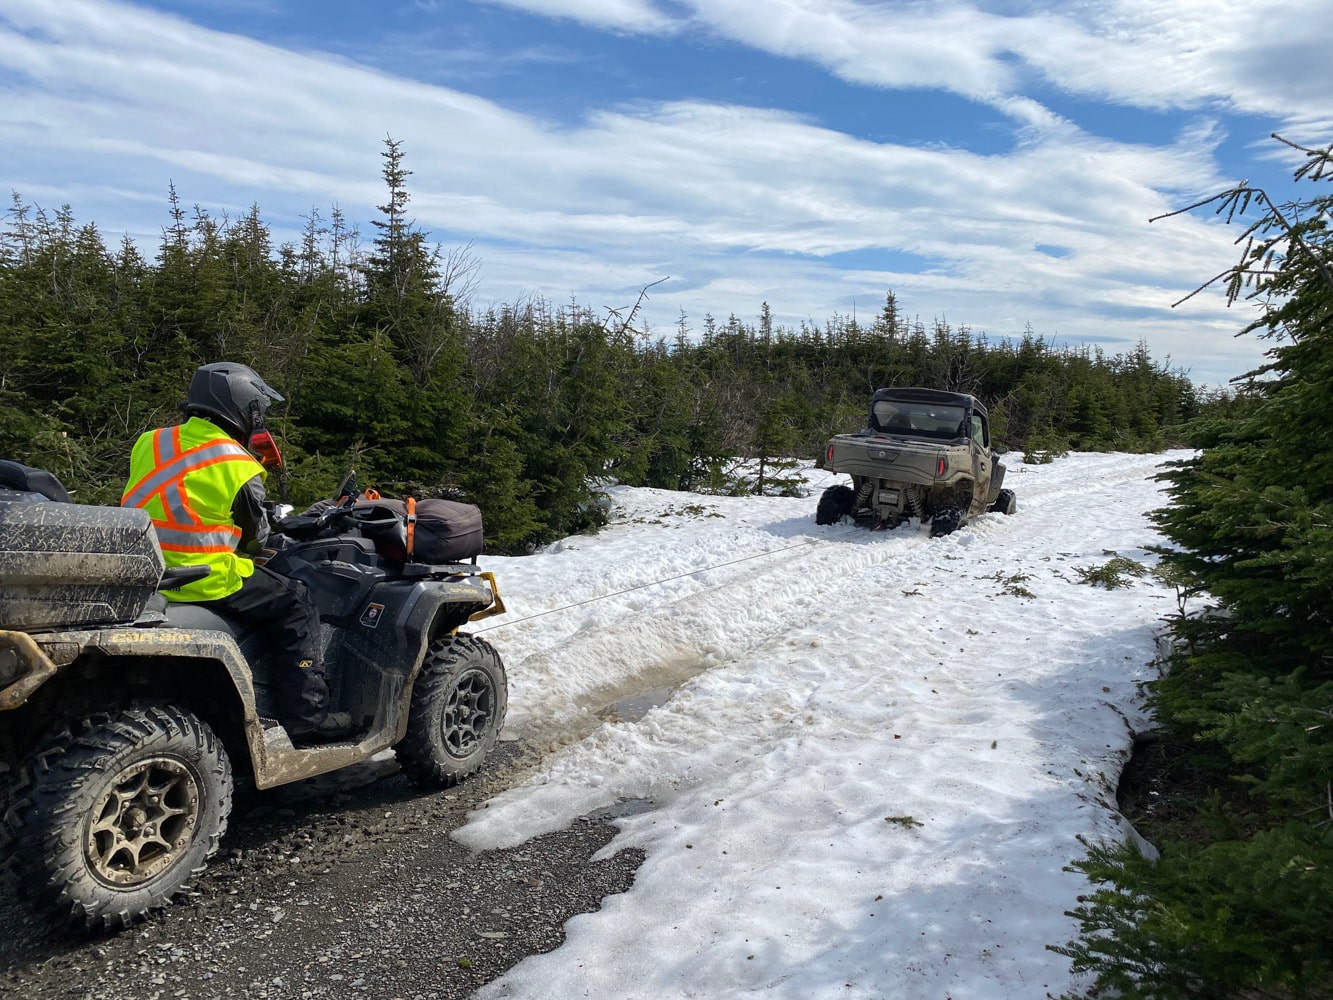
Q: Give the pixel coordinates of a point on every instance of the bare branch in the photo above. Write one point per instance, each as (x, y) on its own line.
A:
(460, 274)
(625, 323)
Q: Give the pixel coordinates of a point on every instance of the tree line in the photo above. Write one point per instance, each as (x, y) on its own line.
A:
(523, 409)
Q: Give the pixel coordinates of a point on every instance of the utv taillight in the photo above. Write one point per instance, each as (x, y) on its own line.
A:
(941, 465)
(828, 459)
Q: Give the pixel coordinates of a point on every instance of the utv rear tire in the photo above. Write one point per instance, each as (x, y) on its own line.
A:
(111, 817)
(458, 707)
(834, 504)
(1005, 503)
(946, 522)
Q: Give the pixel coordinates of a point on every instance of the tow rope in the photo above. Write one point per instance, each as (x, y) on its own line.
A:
(645, 586)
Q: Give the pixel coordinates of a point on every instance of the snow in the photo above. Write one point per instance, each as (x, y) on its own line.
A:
(858, 762)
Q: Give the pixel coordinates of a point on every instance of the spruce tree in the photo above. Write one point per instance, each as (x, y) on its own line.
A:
(1247, 905)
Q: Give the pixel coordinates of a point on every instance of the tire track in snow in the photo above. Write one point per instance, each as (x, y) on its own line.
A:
(1072, 484)
(643, 642)
(665, 643)
(558, 694)
(626, 647)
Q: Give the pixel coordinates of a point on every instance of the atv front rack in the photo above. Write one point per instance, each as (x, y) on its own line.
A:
(498, 605)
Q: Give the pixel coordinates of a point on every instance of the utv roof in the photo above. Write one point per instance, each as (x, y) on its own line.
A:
(916, 395)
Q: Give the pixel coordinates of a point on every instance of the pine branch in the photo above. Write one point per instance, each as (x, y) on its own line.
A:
(1237, 201)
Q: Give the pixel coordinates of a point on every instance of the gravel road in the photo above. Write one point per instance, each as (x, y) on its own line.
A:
(346, 887)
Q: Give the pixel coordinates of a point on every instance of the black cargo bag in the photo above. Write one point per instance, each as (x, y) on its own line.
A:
(426, 531)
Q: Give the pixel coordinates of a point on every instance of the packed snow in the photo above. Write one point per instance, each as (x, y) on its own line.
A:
(858, 761)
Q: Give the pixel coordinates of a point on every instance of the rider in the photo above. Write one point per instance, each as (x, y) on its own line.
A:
(205, 494)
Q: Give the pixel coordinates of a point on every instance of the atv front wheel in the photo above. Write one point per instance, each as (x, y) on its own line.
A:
(458, 706)
(834, 504)
(111, 816)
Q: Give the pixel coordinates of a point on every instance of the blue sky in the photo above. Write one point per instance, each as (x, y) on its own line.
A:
(994, 163)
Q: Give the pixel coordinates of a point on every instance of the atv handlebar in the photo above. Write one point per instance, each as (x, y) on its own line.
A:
(303, 527)
(336, 513)
(175, 577)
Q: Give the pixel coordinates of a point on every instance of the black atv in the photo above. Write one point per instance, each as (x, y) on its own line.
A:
(125, 720)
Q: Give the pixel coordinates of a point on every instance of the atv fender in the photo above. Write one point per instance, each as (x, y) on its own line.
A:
(457, 601)
(460, 599)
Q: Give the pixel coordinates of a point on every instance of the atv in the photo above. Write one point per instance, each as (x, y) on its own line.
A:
(924, 454)
(126, 721)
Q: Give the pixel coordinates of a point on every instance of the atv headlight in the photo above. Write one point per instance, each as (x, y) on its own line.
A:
(11, 666)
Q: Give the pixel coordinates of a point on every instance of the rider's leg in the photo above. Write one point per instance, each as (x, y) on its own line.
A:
(282, 607)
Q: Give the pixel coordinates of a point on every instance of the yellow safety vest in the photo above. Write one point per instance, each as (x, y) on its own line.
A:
(187, 477)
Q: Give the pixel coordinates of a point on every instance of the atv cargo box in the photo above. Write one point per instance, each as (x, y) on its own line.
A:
(64, 564)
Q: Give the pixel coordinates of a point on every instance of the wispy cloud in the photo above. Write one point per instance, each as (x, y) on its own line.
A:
(621, 15)
(737, 204)
(1143, 53)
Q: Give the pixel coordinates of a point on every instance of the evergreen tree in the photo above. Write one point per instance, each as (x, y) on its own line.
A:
(1247, 905)
(388, 375)
(528, 409)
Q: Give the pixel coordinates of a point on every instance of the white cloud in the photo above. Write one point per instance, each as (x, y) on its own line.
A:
(1253, 58)
(1182, 53)
(622, 15)
(739, 205)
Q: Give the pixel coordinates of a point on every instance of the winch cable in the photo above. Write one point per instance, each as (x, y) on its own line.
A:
(645, 586)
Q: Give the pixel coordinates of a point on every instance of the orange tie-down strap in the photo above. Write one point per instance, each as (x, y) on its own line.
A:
(411, 524)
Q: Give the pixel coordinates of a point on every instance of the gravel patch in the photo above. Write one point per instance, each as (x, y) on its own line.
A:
(343, 887)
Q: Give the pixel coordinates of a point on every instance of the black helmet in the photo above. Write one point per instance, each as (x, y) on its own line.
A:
(231, 395)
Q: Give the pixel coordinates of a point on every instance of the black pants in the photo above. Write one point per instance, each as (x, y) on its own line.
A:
(281, 609)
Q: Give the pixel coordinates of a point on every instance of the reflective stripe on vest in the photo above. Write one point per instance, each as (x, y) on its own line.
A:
(187, 477)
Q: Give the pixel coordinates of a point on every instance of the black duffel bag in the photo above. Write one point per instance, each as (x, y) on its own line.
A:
(426, 531)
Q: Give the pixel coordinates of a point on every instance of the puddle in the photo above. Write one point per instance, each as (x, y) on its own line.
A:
(636, 706)
(624, 702)
(624, 807)
(652, 687)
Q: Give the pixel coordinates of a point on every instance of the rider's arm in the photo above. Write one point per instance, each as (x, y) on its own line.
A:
(247, 510)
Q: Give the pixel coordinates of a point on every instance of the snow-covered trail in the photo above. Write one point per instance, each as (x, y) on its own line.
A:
(879, 750)
(610, 629)
(663, 633)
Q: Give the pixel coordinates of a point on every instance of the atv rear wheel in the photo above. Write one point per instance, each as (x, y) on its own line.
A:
(111, 816)
(835, 503)
(458, 706)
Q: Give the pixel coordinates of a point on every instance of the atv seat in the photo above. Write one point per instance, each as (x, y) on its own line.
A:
(25, 479)
(192, 616)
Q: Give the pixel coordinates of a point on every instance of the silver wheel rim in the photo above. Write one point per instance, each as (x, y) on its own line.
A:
(468, 713)
(144, 823)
